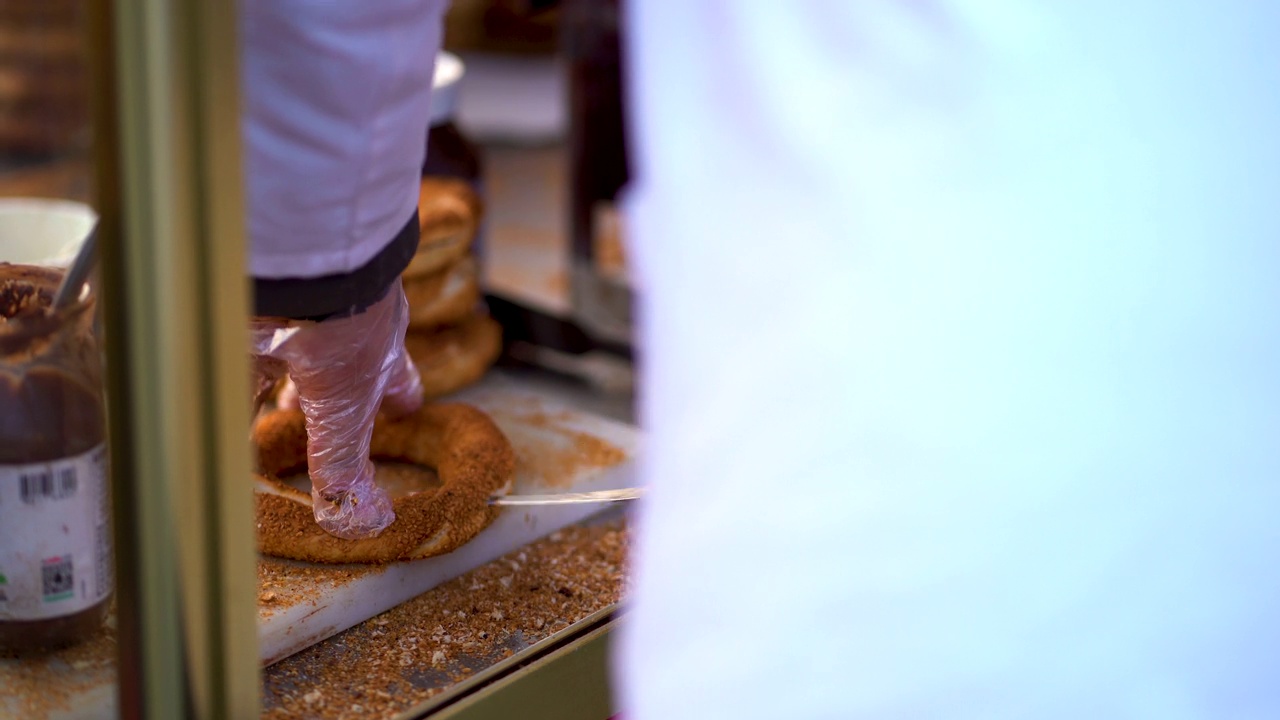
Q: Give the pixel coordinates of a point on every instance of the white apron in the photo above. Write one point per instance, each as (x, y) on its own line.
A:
(336, 101)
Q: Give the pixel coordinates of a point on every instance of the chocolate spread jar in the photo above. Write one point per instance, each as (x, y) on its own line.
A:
(55, 539)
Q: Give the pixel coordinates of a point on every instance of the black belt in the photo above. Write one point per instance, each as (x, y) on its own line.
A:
(340, 295)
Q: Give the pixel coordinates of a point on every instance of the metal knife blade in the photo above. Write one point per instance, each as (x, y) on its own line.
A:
(596, 496)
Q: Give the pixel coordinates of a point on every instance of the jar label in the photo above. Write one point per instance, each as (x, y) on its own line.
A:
(55, 536)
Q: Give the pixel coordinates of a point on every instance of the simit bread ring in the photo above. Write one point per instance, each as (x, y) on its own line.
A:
(448, 213)
(452, 358)
(471, 455)
(443, 298)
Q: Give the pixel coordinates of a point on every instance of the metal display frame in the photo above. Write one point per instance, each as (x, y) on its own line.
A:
(175, 299)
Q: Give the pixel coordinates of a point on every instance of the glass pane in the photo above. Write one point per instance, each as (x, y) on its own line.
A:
(411, 638)
(57, 619)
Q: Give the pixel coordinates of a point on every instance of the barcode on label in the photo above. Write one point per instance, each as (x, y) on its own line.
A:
(57, 579)
(48, 485)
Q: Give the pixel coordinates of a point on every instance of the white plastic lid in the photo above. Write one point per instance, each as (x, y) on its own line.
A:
(444, 88)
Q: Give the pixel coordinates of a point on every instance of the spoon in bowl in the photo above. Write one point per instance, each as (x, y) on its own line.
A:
(77, 274)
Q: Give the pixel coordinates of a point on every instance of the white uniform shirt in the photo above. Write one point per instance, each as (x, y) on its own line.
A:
(336, 103)
(962, 359)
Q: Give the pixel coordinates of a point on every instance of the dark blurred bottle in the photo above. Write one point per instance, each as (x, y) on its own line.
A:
(591, 39)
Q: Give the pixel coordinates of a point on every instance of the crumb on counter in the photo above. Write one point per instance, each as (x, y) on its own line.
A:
(415, 651)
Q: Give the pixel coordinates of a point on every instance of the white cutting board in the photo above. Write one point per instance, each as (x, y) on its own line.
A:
(320, 601)
(310, 603)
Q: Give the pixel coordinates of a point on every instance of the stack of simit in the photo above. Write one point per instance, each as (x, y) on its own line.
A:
(451, 337)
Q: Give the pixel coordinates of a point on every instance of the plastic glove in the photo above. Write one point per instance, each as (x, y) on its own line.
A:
(287, 395)
(345, 369)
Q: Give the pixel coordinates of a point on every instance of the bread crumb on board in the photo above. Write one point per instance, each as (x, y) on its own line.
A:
(559, 453)
(285, 583)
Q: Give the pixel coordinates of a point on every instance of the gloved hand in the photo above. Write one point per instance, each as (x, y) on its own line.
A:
(344, 370)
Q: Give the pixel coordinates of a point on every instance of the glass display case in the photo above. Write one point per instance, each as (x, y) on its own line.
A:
(124, 117)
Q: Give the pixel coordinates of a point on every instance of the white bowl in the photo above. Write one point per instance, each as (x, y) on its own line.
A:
(43, 232)
(444, 87)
